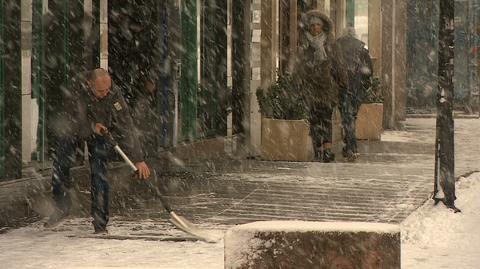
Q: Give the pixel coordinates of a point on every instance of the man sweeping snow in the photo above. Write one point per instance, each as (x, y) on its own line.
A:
(92, 108)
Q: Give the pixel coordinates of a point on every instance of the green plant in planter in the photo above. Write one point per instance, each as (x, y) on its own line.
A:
(282, 101)
(374, 93)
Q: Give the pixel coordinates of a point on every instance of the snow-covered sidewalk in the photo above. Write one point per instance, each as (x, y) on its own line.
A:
(432, 237)
(72, 245)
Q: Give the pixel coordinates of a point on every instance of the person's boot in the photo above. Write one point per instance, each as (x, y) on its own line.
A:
(328, 156)
(99, 229)
(317, 154)
(349, 155)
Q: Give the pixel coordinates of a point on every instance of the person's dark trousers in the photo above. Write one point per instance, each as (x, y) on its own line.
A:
(61, 180)
(98, 149)
(349, 106)
(320, 125)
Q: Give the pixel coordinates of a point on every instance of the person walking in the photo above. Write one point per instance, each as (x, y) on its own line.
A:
(358, 64)
(319, 77)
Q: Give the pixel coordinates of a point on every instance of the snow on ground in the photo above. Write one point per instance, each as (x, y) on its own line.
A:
(434, 237)
(407, 137)
(35, 247)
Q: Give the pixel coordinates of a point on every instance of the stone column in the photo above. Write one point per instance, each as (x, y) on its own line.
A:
(320, 5)
(88, 34)
(38, 71)
(338, 12)
(229, 144)
(29, 114)
(104, 34)
(213, 67)
(10, 90)
(254, 116)
(375, 35)
(293, 33)
(189, 75)
(288, 28)
(269, 37)
(241, 70)
(394, 62)
(350, 8)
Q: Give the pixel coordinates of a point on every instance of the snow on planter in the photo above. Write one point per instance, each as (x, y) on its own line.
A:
(299, 244)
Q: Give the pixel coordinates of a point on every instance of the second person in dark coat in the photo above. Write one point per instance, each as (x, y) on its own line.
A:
(356, 59)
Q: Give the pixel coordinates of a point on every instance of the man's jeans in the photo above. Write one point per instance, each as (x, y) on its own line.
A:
(98, 151)
(349, 106)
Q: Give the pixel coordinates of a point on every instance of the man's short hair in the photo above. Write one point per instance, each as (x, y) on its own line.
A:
(97, 73)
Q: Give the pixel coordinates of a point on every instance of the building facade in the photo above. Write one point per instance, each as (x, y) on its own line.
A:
(207, 57)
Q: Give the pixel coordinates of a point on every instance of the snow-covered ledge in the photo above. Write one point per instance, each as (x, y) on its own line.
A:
(299, 244)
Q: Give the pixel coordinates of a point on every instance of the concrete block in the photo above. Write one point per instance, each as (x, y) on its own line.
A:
(370, 122)
(286, 140)
(298, 244)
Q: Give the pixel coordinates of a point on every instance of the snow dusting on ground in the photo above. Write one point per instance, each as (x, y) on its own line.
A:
(432, 237)
(34, 247)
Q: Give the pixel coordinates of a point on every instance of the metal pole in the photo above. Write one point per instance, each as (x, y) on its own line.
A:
(445, 134)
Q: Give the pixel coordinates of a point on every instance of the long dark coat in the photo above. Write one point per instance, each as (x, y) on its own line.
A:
(358, 64)
(319, 81)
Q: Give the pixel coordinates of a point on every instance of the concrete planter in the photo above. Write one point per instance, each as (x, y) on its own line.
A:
(286, 140)
(298, 244)
(370, 121)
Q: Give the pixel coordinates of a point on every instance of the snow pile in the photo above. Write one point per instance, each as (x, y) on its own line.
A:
(434, 237)
(242, 246)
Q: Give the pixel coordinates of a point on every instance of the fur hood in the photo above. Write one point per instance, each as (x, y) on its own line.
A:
(328, 24)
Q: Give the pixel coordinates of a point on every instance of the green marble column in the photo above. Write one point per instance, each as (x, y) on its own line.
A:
(351, 12)
(213, 68)
(189, 80)
(10, 90)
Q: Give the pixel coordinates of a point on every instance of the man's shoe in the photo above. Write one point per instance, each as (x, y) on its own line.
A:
(350, 155)
(317, 155)
(328, 156)
(100, 230)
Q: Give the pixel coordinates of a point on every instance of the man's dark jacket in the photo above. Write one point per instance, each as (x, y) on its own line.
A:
(356, 60)
(82, 110)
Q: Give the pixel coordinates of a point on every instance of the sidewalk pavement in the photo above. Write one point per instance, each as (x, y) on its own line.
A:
(391, 179)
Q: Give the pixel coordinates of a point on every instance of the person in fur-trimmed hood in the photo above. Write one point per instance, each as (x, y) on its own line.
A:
(319, 77)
